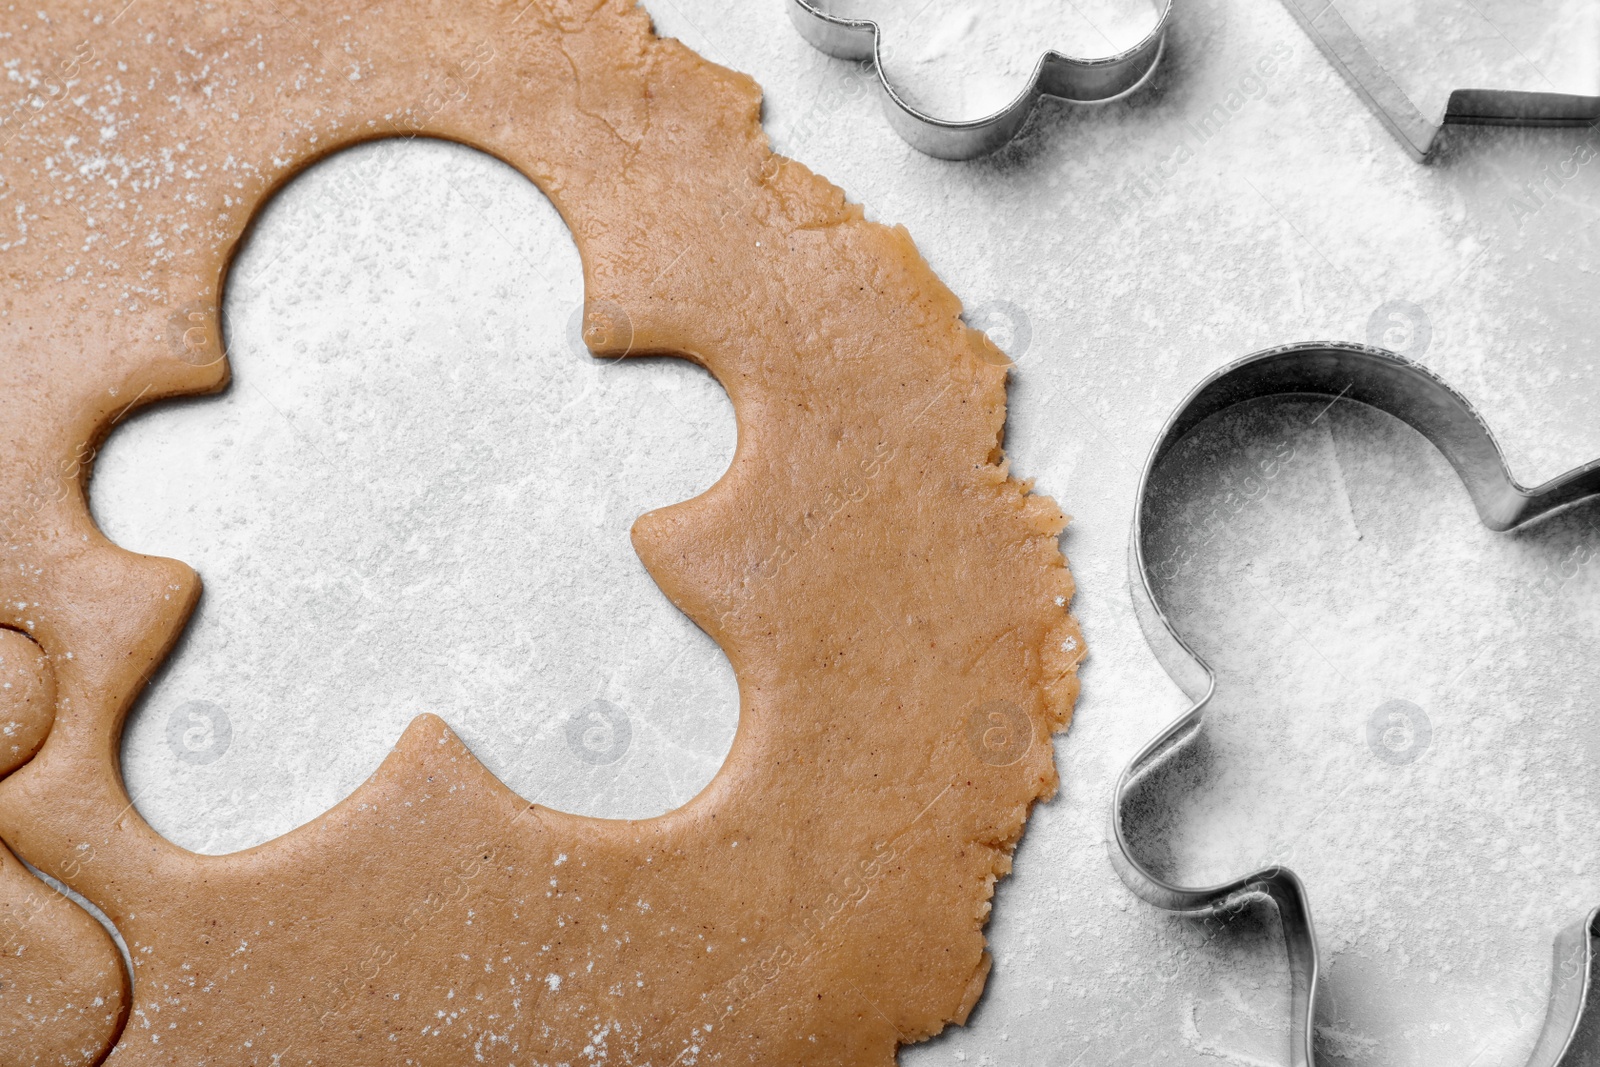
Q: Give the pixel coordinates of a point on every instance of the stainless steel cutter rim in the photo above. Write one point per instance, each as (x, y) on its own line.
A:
(1408, 391)
(1082, 81)
(1419, 134)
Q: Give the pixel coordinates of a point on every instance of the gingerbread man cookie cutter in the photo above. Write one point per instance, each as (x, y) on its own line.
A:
(1082, 81)
(1416, 396)
(1418, 133)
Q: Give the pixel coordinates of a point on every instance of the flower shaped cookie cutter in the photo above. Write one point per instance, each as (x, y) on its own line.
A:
(1084, 81)
(1411, 393)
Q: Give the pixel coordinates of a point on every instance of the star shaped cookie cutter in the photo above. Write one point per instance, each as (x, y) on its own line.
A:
(1417, 132)
(1416, 396)
(1083, 81)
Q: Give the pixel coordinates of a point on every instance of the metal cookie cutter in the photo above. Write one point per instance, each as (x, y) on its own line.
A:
(1418, 133)
(1084, 81)
(1409, 392)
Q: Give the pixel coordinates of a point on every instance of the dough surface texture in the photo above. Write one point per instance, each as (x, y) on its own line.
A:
(894, 605)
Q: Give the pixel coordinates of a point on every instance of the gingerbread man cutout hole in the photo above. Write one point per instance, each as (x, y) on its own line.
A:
(414, 496)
